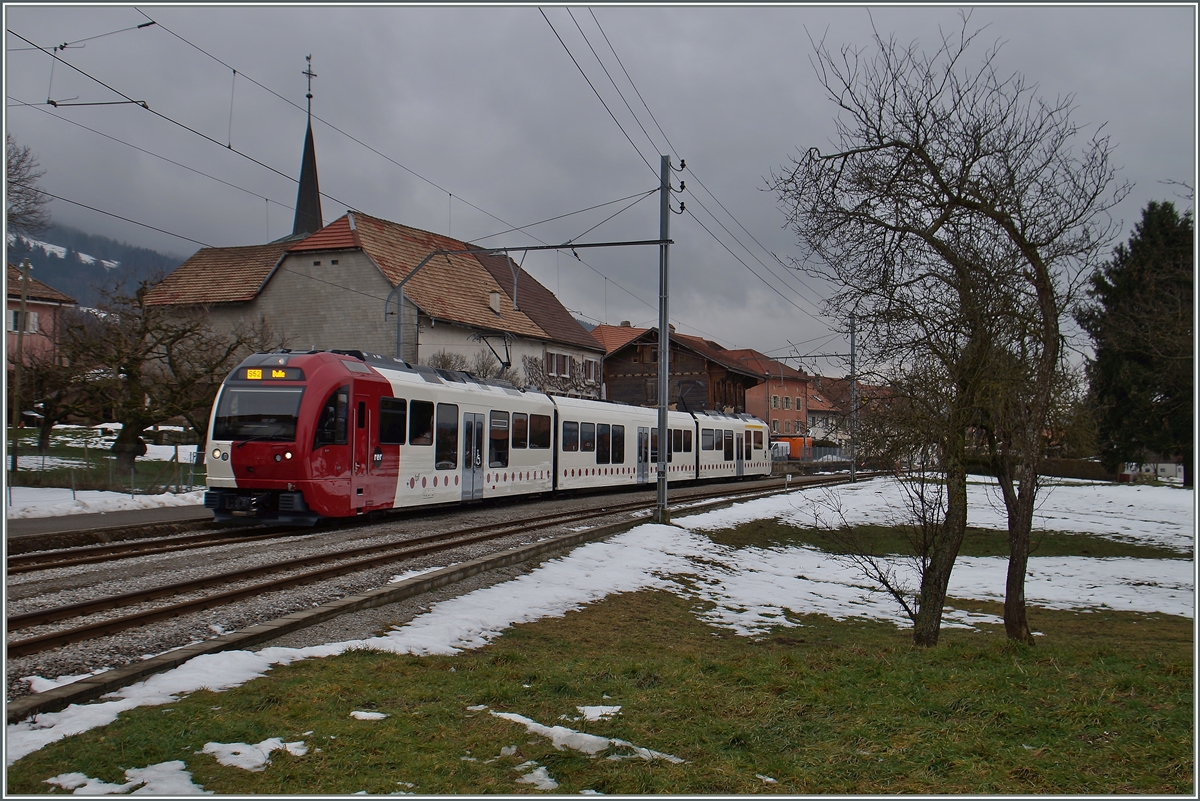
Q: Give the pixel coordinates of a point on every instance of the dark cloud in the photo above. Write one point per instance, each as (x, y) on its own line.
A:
(487, 107)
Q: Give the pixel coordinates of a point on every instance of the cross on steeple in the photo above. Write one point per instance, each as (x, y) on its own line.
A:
(310, 74)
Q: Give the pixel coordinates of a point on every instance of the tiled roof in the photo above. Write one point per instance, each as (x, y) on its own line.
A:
(715, 353)
(452, 288)
(35, 290)
(614, 337)
(537, 302)
(765, 364)
(219, 275)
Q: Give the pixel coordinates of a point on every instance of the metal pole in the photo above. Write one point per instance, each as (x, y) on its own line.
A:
(664, 340)
(19, 361)
(853, 408)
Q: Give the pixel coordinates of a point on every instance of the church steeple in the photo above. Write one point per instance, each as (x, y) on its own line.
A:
(308, 197)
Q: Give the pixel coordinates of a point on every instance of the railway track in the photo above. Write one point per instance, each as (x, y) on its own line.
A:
(311, 569)
(95, 554)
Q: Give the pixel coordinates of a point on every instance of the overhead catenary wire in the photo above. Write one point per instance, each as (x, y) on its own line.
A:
(162, 116)
(126, 219)
(597, 93)
(39, 107)
(782, 279)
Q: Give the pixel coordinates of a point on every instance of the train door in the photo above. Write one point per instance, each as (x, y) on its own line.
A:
(472, 469)
(360, 475)
(739, 455)
(643, 455)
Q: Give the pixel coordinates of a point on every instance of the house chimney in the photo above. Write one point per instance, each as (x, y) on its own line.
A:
(626, 324)
(494, 301)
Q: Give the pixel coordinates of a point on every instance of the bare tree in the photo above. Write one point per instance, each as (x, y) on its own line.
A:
(956, 219)
(482, 365)
(151, 363)
(25, 205)
(539, 378)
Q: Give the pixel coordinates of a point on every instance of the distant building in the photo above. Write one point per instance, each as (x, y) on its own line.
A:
(44, 307)
(703, 374)
(782, 399)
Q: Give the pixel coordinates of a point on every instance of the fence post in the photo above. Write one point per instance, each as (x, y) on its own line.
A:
(72, 485)
(131, 482)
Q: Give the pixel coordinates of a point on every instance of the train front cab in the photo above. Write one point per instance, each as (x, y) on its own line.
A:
(280, 420)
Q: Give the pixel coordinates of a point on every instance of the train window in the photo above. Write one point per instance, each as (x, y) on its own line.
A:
(570, 436)
(420, 423)
(654, 446)
(498, 438)
(520, 429)
(393, 419)
(445, 454)
(587, 437)
(539, 431)
(758, 440)
(331, 427)
(603, 443)
(362, 414)
(687, 440)
(618, 444)
(706, 439)
(729, 446)
(677, 440)
(258, 412)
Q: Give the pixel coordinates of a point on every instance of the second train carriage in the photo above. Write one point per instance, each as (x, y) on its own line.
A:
(295, 437)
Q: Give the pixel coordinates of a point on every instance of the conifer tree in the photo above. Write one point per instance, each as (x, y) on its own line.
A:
(1141, 324)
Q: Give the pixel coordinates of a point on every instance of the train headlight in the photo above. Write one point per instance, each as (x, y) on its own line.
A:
(278, 457)
(216, 454)
(287, 455)
(224, 457)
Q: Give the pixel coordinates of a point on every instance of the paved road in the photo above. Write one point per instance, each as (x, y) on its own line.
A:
(25, 526)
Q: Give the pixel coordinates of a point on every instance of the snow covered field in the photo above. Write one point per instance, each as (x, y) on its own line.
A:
(752, 589)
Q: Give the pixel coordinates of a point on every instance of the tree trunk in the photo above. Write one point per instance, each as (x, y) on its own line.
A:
(128, 446)
(1019, 504)
(44, 434)
(928, 621)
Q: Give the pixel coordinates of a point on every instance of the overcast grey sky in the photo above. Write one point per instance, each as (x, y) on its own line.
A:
(470, 121)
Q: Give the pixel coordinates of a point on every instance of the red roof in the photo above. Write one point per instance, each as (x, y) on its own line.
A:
(765, 365)
(614, 337)
(35, 290)
(219, 275)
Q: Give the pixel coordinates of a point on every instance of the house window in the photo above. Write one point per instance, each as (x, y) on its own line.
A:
(31, 321)
(787, 403)
(787, 426)
(564, 365)
(774, 426)
(552, 364)
(591, 371)
(774, 401)
(799, 404)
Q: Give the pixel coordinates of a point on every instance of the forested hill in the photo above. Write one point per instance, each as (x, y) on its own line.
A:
(82, 264)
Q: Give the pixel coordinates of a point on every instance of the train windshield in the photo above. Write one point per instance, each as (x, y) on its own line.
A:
(261, 413)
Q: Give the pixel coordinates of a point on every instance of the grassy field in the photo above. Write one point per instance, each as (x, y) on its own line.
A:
(1102, 704)
(80, 457)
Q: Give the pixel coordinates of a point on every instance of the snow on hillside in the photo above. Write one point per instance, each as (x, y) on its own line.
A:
(60, 252)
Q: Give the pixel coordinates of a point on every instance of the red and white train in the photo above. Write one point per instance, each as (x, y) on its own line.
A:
(295, 437)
